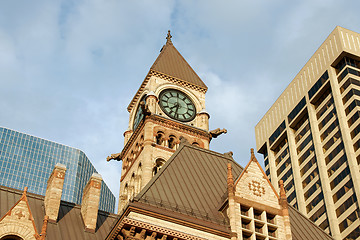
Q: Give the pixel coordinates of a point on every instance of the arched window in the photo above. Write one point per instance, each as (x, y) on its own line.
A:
(158, 165)
(159, 138)
(172, 142)
(139, 179)
(11, 237)
(196, 144)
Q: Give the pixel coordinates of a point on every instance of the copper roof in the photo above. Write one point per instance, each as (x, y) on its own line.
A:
(193, 182)
(70, 224)
(302, 228)
(171, 63)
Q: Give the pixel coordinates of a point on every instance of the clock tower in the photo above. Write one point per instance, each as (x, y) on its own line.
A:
(169, 107)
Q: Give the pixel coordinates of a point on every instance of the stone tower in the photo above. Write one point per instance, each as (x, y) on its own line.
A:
(169, 107)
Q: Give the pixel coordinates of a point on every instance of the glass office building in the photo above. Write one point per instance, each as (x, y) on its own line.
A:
(26, 160)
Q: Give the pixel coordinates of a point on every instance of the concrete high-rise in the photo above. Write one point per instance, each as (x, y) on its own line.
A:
(310, 137)
(26, 160)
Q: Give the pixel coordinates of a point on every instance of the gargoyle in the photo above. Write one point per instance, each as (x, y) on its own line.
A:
(215, 133)
(114, 156)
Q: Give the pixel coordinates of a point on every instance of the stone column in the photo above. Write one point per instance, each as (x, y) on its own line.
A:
(90, 202)
(54, 191)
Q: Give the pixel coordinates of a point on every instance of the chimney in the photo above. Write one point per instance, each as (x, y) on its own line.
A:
(90, 202)
(53, 192)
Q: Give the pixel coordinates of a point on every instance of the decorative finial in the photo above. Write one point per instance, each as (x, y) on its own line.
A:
(252, 155)
(25, 191)
(230, 180)
(168, 37)
(282, 189)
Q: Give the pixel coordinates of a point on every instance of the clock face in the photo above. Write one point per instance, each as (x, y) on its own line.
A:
(177, 105)
(139, 114)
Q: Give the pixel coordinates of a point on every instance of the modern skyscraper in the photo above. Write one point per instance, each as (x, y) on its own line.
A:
(26, 160)
(310, 137)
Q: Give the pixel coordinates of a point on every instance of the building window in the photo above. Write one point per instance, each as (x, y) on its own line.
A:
(314, 202)
(318, 214)
(318, 84)
(351, 93)
(349, 220)
(277, 133)
(159, 138)
(339, 178)
(352, 106)
(312, 189)
(158, 165)
(347, 204)
(341, 192)
(331, 114)
(346, 61)
(336, 165)
(354, 234)
(11, 237)
(325, 108)
(353, 118)
(346, 72)
(329, 130)
(309, 178)
(348, 83)
(297, 109)
(172, 142)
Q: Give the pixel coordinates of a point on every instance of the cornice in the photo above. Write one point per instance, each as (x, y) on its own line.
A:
(197, 132)
(178, 218)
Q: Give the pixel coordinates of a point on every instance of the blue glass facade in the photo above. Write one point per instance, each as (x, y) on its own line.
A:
(26, 160)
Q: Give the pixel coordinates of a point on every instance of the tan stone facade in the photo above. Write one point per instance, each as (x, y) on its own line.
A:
(255, 208)
(155, 139)
(53, 192)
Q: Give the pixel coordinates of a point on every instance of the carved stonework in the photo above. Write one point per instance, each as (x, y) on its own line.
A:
(256, 188)
(134, 229)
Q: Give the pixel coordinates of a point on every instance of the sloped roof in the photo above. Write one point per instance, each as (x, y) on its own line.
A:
(193, 182)
(302, 228)
(70, 224)
(172, 63)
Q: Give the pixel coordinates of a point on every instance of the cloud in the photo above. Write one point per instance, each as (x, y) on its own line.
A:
(68, 69)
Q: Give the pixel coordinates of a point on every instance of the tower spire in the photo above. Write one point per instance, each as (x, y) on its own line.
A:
(168, 38)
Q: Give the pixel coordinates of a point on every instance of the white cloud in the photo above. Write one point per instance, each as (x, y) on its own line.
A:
(68, 69)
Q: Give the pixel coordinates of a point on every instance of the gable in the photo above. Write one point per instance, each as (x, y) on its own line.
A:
(253, 185)
(19, 221)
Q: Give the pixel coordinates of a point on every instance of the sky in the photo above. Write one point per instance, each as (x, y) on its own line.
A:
(69, 69)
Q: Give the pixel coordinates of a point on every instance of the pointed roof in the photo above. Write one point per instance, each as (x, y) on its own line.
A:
(254, 160)
(20, 213)
(171, 65)
(192, 182)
